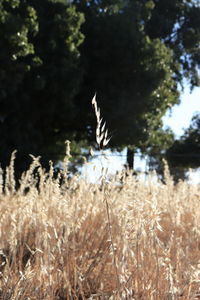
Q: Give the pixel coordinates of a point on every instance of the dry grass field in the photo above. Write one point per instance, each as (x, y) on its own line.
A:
(119, 239)
(78, 240)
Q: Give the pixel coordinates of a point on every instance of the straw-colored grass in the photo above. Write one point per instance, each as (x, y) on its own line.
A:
(123, 239)
(59, 242)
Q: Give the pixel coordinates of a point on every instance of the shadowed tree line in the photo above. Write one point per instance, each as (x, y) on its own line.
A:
(56, 54)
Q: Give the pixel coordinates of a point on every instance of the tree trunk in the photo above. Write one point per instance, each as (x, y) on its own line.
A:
(130, 158)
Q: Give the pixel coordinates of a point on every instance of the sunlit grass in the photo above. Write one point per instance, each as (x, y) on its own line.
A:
(78, 240)
(120, 238)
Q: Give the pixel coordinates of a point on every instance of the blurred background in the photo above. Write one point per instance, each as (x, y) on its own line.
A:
(140, 57)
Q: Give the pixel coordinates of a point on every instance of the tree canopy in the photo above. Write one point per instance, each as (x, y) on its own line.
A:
(55, 54)
(134, 55)
(39, 76)
(185, 152)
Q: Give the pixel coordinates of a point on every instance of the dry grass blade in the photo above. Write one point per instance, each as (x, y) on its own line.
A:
(127, 241)
(101, 132)
(101, 138)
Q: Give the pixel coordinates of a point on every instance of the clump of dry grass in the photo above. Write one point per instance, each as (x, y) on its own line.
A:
(56, 243)
(77, 240)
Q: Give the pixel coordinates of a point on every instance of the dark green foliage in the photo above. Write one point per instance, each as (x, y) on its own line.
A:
(130, 73)
(185, 152)
(177, 23)
(157, 150)
(39, 77)
(132, 53)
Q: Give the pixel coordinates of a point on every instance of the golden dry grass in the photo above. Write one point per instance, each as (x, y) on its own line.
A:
(123, 239)
(99, 241)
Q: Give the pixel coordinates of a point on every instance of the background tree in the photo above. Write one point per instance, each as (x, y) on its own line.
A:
(39, 77)
(157, 149)
(131, 73)
(134, 55)
(185, 152)
(177, 24)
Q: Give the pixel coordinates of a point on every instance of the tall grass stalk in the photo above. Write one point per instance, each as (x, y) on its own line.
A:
(71, 239)
(61, 242)
(102, 140)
